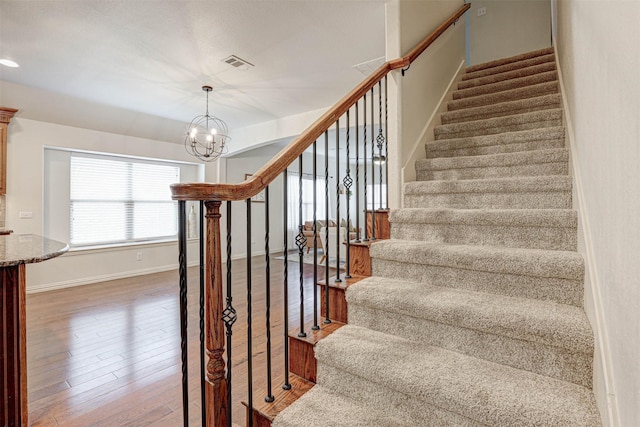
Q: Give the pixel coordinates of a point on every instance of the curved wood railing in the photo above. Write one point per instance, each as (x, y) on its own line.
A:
(217, 313)
(270, 171)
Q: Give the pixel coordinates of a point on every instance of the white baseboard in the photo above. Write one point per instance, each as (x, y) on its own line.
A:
(101, 278)
(44, 287)
(603, 375)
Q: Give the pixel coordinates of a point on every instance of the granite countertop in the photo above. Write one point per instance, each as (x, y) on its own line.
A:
(28, 248)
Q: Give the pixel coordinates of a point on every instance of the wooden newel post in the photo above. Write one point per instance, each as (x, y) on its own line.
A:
(216, 386)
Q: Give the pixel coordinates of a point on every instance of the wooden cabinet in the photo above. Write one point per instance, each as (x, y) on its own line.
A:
(5, 117)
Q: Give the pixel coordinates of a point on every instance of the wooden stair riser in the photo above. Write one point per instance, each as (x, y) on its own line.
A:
(265, 412)
(381, 222)
(337, 304)
(302, 361)
(359, 260)
(303, 373)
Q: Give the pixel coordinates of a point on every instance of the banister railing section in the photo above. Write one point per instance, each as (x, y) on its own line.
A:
(334, 188)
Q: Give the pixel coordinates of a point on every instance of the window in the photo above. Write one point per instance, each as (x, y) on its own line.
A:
(98, 199)
(373, 196)
(120, 200)
(307, 202)
(307, 199)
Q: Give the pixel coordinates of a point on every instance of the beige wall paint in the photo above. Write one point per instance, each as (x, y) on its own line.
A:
(599, 59)
(419, 93)
(509, 27)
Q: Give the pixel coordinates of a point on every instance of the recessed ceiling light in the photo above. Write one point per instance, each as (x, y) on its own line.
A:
(8, 63)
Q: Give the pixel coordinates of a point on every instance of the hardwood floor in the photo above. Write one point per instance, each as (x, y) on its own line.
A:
(108, 354)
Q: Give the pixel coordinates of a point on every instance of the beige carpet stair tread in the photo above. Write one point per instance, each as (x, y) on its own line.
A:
(504, 96)
(538, 184)
(494, 78)
(496, 125)
(549, 76)
(529, 192)
(538, 321)
(553, 229)
(543, 337)
(520, 261)
(556, 218)
(320, 407)
(544, 102)
(525, 63)
(483, 391)
(473, 315)
(526, 140)
(540, 54)
(493, 160)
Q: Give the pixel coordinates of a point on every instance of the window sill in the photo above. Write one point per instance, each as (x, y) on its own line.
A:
(123, 246)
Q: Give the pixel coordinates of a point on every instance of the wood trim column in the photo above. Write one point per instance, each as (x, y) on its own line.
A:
(6, 114)
(216, 386)
(13, 356)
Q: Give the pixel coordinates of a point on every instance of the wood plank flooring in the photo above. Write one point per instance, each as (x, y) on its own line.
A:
(108, 354)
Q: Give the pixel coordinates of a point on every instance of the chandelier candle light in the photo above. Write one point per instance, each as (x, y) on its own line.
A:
(206, 135)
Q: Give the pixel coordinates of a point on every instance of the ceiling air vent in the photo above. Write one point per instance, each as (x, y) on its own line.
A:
(238, 63)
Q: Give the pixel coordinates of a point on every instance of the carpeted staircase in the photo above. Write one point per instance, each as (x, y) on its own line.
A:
(473, 315)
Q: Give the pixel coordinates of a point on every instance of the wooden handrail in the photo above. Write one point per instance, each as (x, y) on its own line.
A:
(270, 171)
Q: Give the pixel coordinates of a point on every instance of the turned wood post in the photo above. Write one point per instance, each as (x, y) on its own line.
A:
(216, 386)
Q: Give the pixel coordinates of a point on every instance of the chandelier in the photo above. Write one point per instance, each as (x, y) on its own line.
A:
(206, 135)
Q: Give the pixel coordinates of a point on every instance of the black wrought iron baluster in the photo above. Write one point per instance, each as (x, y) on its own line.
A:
(373, 174)
(229, 316)
(338, 184)
(301, 242)
(348, 181)
(357, 129)
(285, 217)
(326, 228)
(315, 326)
(386, 139)
(269, 397)
(182, 262)
(380, 140)
(201, 314)
(364, 167)
(249, 320)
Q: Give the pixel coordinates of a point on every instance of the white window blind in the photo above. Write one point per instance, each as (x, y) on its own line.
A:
(120, 200)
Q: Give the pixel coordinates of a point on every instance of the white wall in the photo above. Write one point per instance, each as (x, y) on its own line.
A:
(420, 91)
(236, 168)
(597, 47)
(26, 141)
(509, 27)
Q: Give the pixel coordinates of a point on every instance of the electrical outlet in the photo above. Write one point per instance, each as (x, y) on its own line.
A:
(26, 215)
(482, 11)
(139, 256)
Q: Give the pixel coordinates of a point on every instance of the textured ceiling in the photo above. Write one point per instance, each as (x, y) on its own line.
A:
(152, 56)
